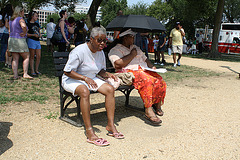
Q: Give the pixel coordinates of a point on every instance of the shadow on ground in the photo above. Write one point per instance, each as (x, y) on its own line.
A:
(99, 115)
(229, 68)
(5, 143)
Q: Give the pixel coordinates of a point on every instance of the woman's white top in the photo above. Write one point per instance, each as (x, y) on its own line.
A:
(84, 62)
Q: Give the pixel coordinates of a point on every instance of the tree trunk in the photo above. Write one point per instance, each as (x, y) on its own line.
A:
(217, 25)
(92, 12)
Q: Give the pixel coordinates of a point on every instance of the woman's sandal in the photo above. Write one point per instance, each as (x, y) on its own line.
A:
(34, 74)
(158, 111)
(38, 73)
(151, 120)
(117, 135)
(99, 142)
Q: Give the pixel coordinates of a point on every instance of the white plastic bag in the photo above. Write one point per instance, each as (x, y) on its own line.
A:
(169, 51)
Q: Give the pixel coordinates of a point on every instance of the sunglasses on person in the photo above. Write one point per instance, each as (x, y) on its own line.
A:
(99, 40)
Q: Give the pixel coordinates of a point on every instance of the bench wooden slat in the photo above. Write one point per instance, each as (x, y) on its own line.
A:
(60, 54)
(59, 67)
(60, 61)
(58, 73)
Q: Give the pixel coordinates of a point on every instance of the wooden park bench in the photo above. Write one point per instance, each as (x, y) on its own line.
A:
(66, 98)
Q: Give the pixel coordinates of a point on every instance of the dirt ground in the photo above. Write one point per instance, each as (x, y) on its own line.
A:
(201, 121)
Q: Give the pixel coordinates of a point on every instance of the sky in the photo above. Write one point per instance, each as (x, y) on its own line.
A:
(130, 2)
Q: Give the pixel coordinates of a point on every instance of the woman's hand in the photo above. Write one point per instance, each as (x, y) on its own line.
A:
(91, 83)
(22, 34)
(110, 75)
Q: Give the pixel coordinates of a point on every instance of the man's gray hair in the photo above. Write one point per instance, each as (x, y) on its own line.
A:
(96, 31)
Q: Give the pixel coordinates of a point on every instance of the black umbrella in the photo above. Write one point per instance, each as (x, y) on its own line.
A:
(138, 23)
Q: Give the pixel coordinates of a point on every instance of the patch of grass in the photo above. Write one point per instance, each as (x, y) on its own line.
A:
(180, 73)
(4, 99)
(2, 110)
(223, 57)
(39, 89)
(52, 115)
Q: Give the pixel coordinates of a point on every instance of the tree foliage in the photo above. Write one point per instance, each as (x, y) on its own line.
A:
(79, 16)
(55, 17)
(161, 11)
(110, 8)
(31, 4)
(232, 10)
(191, 13)
(137, 9)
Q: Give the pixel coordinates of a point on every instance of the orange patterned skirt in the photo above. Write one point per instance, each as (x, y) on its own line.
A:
(150, 86)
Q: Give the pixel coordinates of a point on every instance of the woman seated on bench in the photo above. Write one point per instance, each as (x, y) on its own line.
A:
(127, 57)
(85, 62)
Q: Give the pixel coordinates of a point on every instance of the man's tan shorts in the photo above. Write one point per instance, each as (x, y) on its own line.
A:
(177, 49)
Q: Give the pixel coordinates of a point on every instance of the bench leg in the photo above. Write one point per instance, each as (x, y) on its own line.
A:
(127, 92)
(63, 108)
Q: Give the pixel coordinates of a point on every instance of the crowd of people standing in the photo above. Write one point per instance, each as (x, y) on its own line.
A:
(20, 36)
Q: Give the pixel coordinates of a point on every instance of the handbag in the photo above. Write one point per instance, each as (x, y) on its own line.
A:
(57, 36)
(111, 81)
(126, 78)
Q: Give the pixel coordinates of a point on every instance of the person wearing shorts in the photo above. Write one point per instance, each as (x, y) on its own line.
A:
(33, 42)
(17, 45)
(85, 63)
(176, 42)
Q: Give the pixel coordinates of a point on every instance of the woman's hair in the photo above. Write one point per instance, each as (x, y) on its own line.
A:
(17, 12)
(51, 20)
(61, 13)
(71, 20)
(30, 15)
(80, 24)
(98, 31)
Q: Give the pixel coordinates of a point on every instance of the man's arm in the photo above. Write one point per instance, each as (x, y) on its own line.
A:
(182, 31)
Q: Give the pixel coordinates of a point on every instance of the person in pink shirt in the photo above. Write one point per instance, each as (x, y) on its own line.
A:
(126, 57)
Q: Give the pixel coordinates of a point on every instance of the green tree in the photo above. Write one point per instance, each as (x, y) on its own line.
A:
(92, 12)
(55, 17)
(110, 8)
(137, 9)
(232, 10)
(217, 25)
(3, 3)
(31, 4)
(161, 10)
(79, 16)
(191, 13)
